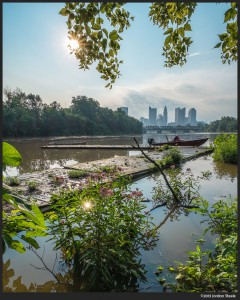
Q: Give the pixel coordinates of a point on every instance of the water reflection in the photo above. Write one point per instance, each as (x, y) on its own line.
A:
(49, 286)
(225, 171)
(37, 159)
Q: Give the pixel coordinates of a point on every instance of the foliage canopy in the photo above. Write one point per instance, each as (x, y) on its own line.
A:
(88, 24)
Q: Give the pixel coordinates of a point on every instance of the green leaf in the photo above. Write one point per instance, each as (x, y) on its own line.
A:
(105, 31)
(35, 233)
(10, 155)
(168, 40)
(30, 241)
(187, 27)
(88, 30)
(64, 12)
(96, 27)
(113, 35)
(170, 30)
(104, 43)
(18, 246)
(39, 215)
(181, 31)
(218, 45)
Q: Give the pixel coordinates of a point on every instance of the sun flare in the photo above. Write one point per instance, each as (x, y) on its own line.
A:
(73, 44)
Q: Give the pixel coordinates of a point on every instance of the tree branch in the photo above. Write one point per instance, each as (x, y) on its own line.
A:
(46, 267)
(159, 169)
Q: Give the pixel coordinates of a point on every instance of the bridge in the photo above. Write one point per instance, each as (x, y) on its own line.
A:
(171, 129)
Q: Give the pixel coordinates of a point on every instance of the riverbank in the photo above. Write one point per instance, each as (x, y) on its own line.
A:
(37, 187)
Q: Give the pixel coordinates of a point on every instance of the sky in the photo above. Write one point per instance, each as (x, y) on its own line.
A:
(36, 59)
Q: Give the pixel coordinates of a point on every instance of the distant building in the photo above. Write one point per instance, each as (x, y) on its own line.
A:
(192, 114)
(160, 120)
(152, 116)
(125, 109)
(180, 116)
(144, 121)
(165, 116)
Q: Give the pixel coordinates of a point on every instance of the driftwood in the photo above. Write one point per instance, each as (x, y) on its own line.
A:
(177, 201)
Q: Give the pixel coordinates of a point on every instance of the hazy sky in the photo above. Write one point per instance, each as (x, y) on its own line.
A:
(36, 60)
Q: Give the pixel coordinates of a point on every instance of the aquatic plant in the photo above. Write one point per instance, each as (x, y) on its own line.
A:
(77, 173)
(215, 270)
(12, 180)
(225, 148)
(32, 185)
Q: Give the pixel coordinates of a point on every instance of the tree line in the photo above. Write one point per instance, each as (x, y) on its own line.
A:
(226, 124)
(27, 116)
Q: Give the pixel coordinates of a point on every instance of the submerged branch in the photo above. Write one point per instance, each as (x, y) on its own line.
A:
(160, 170)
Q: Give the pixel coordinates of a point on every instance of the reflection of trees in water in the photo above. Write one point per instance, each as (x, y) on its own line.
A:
(49, 286)
(65, 281)
(37, 159)
(226, 171)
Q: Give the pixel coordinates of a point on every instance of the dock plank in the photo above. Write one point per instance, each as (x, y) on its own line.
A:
(97, 147)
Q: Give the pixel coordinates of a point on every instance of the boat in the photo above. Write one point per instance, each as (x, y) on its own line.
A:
(178, 142)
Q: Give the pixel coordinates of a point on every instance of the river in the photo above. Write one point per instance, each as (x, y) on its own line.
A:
(175, 236)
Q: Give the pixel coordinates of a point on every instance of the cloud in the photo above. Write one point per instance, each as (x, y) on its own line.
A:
(195, 54)
(212, 91)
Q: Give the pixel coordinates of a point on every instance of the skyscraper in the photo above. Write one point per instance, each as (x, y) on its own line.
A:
(192, 114)
(152, 115)
(180, 116)
(165, 118)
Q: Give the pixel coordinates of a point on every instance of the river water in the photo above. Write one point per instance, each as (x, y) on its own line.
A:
(175, 236)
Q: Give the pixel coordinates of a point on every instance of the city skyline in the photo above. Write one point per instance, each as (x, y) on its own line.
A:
(181, 117)
(36, 60)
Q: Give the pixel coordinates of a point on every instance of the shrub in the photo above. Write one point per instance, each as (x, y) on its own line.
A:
(100, 231)
(225, 148)
(32, 186)
(12, 181)
(171, 157)
(77, 173)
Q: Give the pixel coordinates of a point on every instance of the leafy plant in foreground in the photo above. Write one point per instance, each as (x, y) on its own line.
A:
(100, 232)
(21, 222)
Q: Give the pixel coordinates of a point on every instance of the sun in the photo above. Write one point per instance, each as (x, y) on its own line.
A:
(73, 44)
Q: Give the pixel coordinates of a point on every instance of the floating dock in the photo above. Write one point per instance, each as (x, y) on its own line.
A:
(97, 147)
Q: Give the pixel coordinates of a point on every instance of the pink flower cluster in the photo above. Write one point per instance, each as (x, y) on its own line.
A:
(136, 194)
(105, 192)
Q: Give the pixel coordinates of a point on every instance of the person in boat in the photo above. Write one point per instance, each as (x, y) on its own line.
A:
(151, 141)
(176, 139)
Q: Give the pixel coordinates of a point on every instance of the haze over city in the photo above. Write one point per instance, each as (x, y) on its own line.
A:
(36, 60)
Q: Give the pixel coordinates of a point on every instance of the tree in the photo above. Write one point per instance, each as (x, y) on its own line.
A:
(87, 24)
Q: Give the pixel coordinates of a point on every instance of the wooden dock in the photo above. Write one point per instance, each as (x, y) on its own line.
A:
(96, 147)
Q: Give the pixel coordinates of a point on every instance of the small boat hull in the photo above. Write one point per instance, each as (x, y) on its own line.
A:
(190, 143)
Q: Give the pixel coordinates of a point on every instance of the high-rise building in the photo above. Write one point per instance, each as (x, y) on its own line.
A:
(165, 117)
(125, 109)
(144, 121)
(160, 120)
(152, 116)
(192, 114)
(180, 116)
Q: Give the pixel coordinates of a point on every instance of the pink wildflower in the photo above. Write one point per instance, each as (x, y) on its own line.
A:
(105, 192)
(136, 194)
